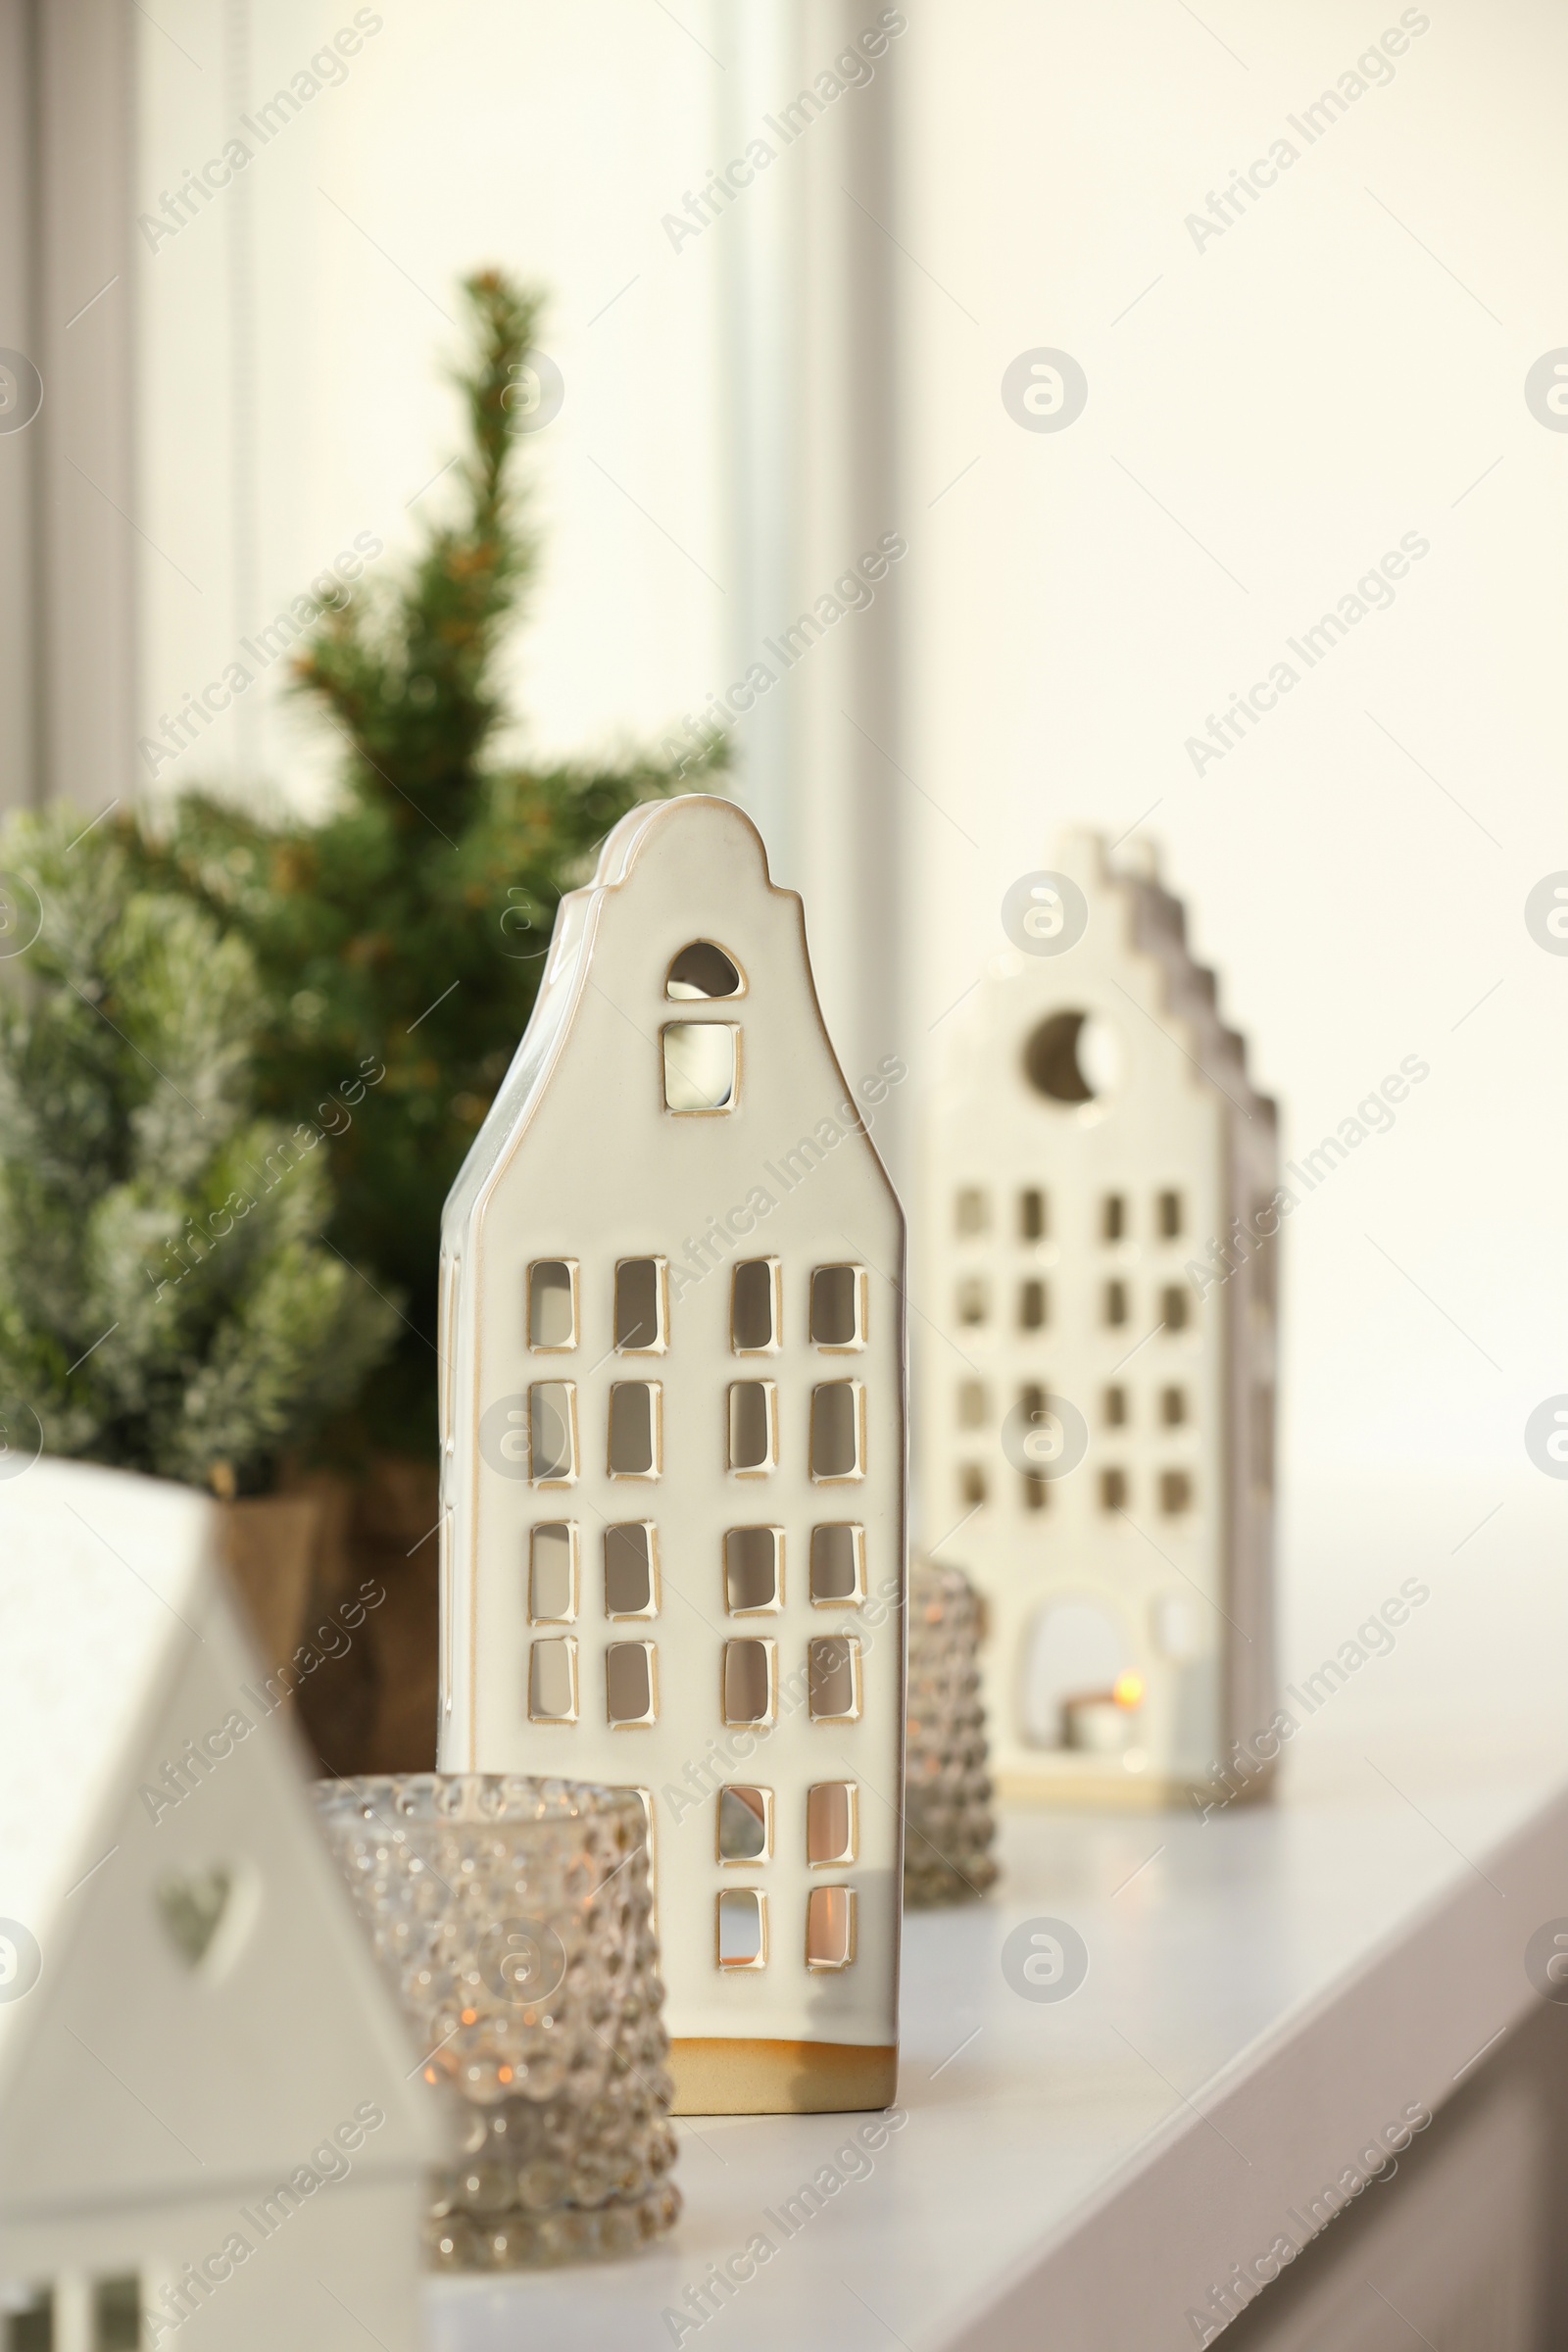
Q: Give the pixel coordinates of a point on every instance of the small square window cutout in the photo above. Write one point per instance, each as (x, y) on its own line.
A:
(634, 1429)
(754, 1314)
(631, 1569)
(640, 1305)
(631, 1685)
(553, 1681)
(749, 1681)
(831, 1824)
(753, 1569)
(745, 1824)
(553, 1573)
(838, 1307)
(838, 1565)
(700, 1065)
(742, 1928)
(833, 1677)
(830, 1927)
(553, 1302)
(752, 1428)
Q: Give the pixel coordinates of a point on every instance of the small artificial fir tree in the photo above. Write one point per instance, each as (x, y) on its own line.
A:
(411, 923)
(167, 1303)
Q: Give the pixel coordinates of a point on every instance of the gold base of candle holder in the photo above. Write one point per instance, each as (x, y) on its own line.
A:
(781, 2077)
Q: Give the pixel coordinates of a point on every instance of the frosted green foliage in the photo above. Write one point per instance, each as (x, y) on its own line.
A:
(167, 1301)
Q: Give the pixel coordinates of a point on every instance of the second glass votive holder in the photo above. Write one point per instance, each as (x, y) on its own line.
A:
(947, 1824)
(513, 1918)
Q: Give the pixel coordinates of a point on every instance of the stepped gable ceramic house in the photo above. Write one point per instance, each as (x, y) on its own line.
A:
(1097, 1402)
(673, 1403)
(207, 2132)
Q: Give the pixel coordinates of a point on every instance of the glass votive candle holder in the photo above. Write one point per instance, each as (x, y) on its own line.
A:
(948, 1826)
(513, 1918)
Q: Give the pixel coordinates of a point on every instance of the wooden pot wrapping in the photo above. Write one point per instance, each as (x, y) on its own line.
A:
(269, 1551)
(368, 1701)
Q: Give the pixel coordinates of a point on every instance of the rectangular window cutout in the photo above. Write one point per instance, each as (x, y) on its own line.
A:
(1116, 1303)
(1168, 1210)
(975, 1299)
(971, 1210)
(700, 1065)
(832, 1824)
(838, 1307)
(640, 1305)
(971, 1486)
(1174, 1304)
(1031, 1214)
(973, 1411)
(553, 1302)
(753, 1569)
(553, 1573)
(755, 1316)
(838, 1566)
(1033, 1305)
(1173, 1407)
(1113, 1217)
(552, 1433)
(1114, 1490)
(634, 1429)
(833, 1673)
(631, 1570)
(753, 1427)
(742, 1928)
(745, 1825)
(1175, 1492)
(830, 1927)
(1115, 1407)
(631, 1684)
(553, 1681)
(1036, 1491)
(749, 1681)
(30, 2319)
(116, 2313)
(838, 1430)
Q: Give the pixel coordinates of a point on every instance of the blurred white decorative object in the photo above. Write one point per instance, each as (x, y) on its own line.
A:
(197, 2056)
(1100, 1205)
(947, 1828)
(513, 1918)
(673, 1423)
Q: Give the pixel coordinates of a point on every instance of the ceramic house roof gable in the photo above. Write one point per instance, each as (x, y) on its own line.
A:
(100, 1580)
(694, 868)
(1151, 933)
(1157, 926)
(214, 2066)
(92, 1653)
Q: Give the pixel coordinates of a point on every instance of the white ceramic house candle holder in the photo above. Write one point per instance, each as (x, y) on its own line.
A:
(1100, 1197)
(198, 2056)
(674, 1428)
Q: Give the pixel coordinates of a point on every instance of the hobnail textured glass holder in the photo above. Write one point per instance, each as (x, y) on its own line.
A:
(513, 1918)
(947, 1826)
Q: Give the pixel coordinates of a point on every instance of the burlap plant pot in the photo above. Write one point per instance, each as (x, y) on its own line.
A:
(369, 1699)
(269, 1550)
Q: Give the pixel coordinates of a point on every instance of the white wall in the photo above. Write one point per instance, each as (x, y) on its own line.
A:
(1276, 411)
(725, 448)
(297, 331)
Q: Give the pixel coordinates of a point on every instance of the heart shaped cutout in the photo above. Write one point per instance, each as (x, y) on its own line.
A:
(191, 1904)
